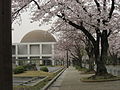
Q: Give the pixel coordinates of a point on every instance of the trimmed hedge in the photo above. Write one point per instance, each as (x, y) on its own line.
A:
(45, 69)
(30, 67)
(19, 69)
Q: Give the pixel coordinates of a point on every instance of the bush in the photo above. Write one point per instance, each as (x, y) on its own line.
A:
(80, 69)
(30, 67)
(19, 69)
(45, 69)
(41, 65)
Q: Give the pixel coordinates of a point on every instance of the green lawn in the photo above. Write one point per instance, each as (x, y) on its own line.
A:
(32, 74)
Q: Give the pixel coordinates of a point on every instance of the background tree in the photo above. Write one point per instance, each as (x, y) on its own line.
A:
(96, 15)
(76, 46)
(90, 52)
(60, 52)
(114, 50)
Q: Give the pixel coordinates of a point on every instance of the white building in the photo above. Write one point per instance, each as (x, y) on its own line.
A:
(36, 45)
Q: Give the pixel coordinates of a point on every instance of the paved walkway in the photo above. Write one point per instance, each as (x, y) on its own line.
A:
(70, 80)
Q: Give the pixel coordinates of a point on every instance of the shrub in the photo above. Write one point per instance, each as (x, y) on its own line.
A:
(41, 65)
(30, 67)
(45, 69)
(19, 69)
(80, 69)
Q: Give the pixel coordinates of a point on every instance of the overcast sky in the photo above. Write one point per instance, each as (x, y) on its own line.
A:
(20, 30)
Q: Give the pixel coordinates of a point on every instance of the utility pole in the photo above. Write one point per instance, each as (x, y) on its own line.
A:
(5, 46)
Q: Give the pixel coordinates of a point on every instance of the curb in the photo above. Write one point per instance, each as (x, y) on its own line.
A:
(53, 80)
(100, 80)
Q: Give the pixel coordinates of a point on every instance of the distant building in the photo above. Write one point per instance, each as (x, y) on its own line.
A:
(36, 45)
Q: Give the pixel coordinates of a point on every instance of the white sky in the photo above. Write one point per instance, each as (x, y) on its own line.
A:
(20, 30)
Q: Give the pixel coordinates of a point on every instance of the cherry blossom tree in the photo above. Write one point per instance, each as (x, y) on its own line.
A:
(101, 17)
(75, 45)
(114, 49)
(61, 51)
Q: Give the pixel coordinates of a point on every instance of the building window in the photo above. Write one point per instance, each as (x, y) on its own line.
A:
(34, 49)
(22, 49)
(47, 60)
(46, 49)
(35, 57)
(22, 57)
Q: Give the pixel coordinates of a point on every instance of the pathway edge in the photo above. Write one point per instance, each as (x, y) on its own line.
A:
(53, 80)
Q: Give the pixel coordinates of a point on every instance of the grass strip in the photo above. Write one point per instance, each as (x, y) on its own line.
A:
(38, 86)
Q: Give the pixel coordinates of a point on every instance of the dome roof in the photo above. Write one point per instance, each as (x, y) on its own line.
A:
(38, 36)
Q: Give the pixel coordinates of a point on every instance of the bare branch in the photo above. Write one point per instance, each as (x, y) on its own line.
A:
(15, 14)
(104, 5)
(73, 54)
(98, 5)
(21, 8)
(84, 8)
(112, 9)
(98, 8)
(110, 31)
(36, 4)
(110, 13)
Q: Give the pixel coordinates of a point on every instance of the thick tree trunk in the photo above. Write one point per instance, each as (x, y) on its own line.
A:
(77, 62)
(80, 59)
(5, 45)
(101, 69)
(91, 59)
(104, 46)
(91, 63)
(77, 59)
(90, 52)
(80, 62)
(100, 59)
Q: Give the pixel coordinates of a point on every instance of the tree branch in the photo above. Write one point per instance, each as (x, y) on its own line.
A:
(104, 5)
(36, 4)
(110, 31)
(21, 8)
(84, 8)
(110, 13)
(112, 9)
(15, 14)
(98, 8)
(98, 5)
(78, 27)
(73, 54)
